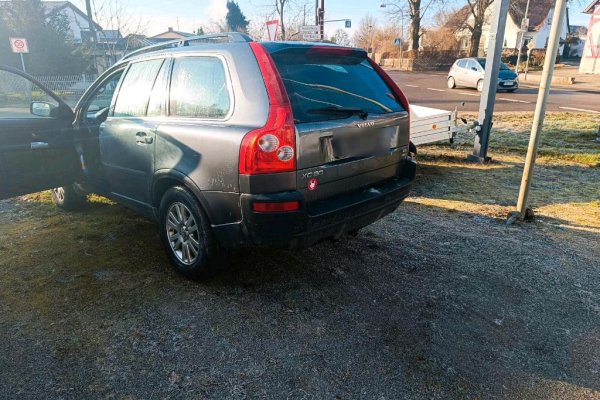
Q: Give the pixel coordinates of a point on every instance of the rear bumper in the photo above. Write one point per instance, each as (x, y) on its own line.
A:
(309, 225)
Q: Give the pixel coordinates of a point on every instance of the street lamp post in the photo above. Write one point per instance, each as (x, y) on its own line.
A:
(520, 44)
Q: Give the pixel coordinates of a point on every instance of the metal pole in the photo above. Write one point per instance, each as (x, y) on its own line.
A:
(322, 19)
(527, 63)
(521, 34)
(23, 62)
(540, 108)
(490, 82)
(317, 12)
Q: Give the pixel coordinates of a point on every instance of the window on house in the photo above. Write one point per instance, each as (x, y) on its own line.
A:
(505, 43)
(464, 43)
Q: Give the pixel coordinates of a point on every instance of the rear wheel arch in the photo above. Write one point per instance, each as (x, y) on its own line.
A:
(162, 181)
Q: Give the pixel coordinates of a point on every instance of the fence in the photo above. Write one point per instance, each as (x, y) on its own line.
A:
(69, 87)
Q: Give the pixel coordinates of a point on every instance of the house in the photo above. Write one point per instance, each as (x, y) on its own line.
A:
(590, 59)
(575, 41)
(78, 21)
(170, 34)
(540, 17)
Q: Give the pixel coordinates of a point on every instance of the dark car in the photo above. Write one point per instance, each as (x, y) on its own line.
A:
(223, 141)
(469, 72)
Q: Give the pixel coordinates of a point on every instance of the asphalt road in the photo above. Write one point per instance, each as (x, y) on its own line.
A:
(430, 90)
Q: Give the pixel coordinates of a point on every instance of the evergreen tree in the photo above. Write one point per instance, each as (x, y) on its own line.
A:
(200, 31)
(236, 20)
(52, 50)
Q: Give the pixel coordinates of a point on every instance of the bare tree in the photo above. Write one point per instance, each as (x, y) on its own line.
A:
(280, 6)
(363, 36)
(121, 31)
(341, 37)
(413, 10)
(478, 10)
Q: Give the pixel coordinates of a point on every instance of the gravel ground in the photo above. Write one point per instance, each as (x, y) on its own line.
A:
(425, 304)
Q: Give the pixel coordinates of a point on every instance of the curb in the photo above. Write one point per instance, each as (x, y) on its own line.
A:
(556, 80)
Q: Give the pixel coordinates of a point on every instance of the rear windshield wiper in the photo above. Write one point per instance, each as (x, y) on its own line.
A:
(339, 111)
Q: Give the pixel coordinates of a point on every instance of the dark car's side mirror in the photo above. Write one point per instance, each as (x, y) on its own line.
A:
(41, 108)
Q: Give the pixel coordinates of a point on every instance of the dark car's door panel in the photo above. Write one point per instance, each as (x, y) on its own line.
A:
(36, 152)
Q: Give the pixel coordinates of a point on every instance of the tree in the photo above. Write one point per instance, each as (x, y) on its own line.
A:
(236, 20)
(52, 50)
(363, 36)
(280, 6)
(200, 31)
(478, 9)
(341, 37)
(414, 10)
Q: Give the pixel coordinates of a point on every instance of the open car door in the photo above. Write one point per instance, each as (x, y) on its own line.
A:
(37, 150)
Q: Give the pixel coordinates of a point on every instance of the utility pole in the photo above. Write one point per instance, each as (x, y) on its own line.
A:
(522, 34)
(317, 12)
(88, 9)
(490, 82)
(540, 109)
(322, 19)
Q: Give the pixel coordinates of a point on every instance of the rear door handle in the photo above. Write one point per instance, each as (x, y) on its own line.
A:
(143, 138)
(39, 145)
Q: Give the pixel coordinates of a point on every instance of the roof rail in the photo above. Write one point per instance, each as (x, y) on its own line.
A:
(232, 37)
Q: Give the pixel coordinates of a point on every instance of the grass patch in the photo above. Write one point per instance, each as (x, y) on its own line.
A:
(566, 185)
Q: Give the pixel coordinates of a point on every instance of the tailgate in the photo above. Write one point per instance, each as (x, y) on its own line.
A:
(352, 130)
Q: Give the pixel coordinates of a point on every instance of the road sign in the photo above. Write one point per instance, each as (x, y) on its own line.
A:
(311, 36)
(272, 27)
(348, 23)
(398, 42)
(19, 45)
(309, 28)
(530, 46)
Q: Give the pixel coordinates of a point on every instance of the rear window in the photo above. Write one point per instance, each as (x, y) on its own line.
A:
(317, 81)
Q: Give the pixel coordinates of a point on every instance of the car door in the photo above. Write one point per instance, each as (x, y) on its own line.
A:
(127, 137)
(473, 73)
(462, 70)
(37, 150)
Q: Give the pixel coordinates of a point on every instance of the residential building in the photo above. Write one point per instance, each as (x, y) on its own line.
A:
(590, 60)
(78, 21)
(170, 34)
(540, 17)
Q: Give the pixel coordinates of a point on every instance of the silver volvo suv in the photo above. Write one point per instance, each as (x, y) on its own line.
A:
(223, 141)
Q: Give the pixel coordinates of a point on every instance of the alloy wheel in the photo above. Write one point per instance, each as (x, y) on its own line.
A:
(183, 234)
(59, 193)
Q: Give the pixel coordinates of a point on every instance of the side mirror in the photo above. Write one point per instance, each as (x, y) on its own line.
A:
(41, 108)
(93, 108)
(474, 68)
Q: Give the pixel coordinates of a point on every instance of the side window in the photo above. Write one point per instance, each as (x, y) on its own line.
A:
(199, 88)
(158, 97)
(21, 98)
(462, 63)
(103, 94)
(473, 64)
(134, 93)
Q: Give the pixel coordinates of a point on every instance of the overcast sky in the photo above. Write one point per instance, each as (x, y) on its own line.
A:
(187, 15)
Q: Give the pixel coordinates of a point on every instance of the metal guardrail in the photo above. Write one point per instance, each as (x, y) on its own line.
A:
(232, 37)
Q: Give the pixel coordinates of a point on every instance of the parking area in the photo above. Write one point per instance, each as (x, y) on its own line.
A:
(440, 300)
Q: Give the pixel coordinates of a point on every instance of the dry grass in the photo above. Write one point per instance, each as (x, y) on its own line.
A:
(566, 186)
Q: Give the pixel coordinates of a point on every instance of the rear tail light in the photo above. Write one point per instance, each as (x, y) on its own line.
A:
(276, 207)
(332, 50)
(271, 148)
(394, 88)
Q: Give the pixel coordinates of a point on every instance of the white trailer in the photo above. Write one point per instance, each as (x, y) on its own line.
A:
(428, 125)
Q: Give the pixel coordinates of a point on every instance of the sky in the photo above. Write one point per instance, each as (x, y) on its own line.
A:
(187, 16)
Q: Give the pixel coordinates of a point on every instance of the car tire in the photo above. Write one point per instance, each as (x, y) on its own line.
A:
(451, 82)
(480, 85)
(187, 235)
(66, 198)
